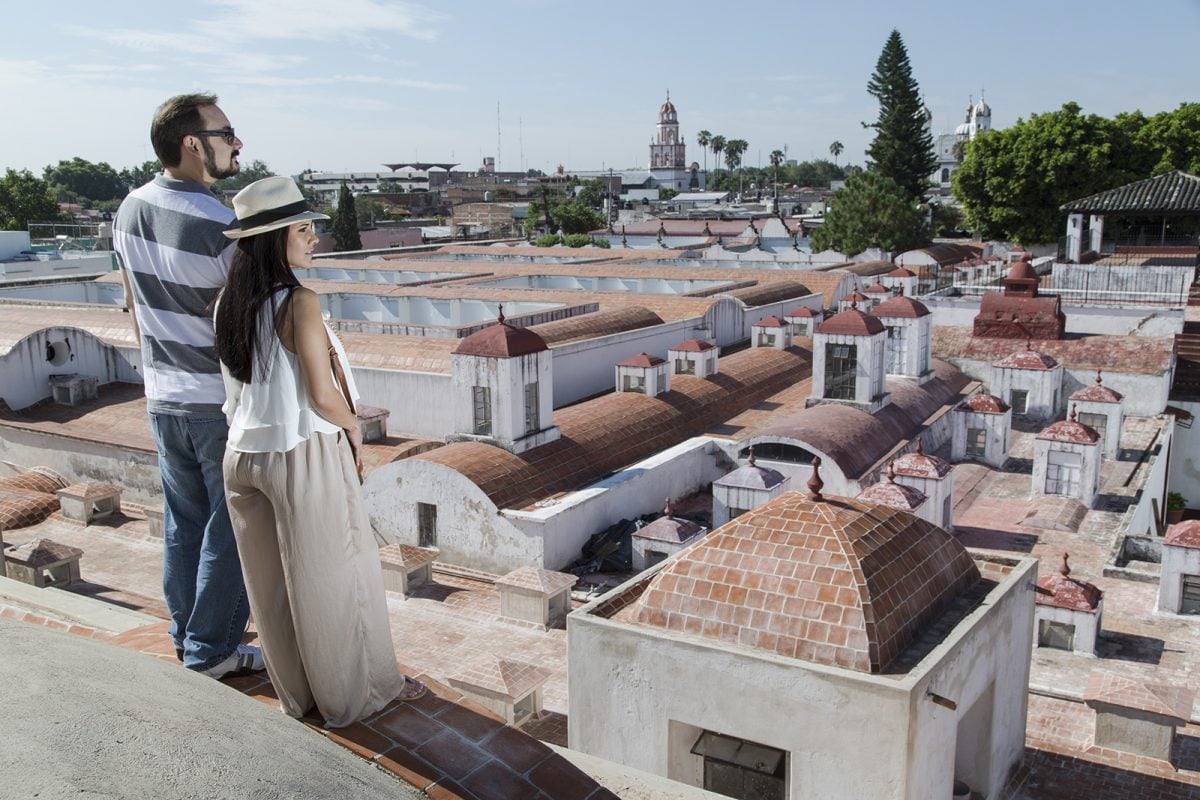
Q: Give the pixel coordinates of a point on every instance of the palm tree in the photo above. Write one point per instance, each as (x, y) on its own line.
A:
(717, 143)
(702, 139)
(776, 161)
(734, 148)
(835, 150)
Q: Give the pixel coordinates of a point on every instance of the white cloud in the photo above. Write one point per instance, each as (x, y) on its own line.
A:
(248, 20)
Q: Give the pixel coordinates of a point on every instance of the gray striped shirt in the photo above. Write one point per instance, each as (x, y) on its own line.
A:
(170, 237)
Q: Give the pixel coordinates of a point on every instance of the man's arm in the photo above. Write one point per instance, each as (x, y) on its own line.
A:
(130, 305)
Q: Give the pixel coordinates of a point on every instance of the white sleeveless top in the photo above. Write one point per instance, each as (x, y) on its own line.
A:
(272, 414)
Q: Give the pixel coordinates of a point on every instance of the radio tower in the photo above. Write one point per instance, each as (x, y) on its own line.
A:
(497, 136)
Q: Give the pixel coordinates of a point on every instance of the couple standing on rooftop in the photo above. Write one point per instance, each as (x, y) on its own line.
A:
(258, 445)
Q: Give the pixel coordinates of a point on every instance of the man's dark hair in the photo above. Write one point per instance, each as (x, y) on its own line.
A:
(174, 119)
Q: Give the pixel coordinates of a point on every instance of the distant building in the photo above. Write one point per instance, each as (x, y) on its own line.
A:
(948, 146)
(668, 154)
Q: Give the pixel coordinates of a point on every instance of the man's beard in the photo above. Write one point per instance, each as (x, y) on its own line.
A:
(210, 162)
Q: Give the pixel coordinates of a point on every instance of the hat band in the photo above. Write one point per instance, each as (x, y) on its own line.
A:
(273, 215)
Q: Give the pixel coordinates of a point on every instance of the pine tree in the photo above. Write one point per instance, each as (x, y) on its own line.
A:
(903, 146)
(345, 222)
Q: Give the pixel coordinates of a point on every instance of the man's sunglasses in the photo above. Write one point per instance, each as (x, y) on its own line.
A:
(226, 133)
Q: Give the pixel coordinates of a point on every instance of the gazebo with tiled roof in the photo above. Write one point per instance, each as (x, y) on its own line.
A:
(744, 489)
(1066, 460)
(1179, 579)
(1172, 194)
(645, 374)
(1030, 382)
(1069, 611)
(662, 538)
(982, 425)
(849, 350)
(932, 476)
(803, 320)
(1101, 408)
(771, 331)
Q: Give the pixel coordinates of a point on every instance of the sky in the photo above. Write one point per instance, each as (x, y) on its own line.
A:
(347, 85)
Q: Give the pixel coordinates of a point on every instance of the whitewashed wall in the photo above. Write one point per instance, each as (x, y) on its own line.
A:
(25, 371)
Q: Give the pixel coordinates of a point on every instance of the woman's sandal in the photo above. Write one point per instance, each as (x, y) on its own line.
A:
(413, 690)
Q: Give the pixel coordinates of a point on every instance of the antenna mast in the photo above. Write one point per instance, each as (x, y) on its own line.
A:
(497, 135)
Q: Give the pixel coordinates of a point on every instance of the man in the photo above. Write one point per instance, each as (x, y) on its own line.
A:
(169, 237)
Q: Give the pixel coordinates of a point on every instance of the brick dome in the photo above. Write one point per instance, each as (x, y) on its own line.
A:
(1021, 271)
(1067, 592)
(985, 404)
(851, 322)
(901, 306)
(501, 340)
(839, 582)
(893, 495)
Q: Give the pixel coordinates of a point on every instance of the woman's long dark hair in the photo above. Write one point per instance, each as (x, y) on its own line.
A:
(258, 270)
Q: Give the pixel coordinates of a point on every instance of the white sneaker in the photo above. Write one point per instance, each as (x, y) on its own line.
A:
(245, 659)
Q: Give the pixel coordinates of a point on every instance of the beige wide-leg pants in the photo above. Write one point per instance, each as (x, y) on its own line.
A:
(313, 578)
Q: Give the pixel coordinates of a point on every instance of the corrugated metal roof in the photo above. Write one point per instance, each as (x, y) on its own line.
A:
(1171, 193)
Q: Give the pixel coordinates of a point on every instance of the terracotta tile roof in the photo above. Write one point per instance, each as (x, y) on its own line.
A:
(599, 323)
(406, 556)
(41, 553)
(837, 582)
(35, 479)
(1174, 192)
(766, 293)
(538, 580)
(851, 322)
(1153, 698)
(1184, 534)
(869, 269)
(90, 490)
(1097, 393)
(501, 341)
(901, 306)
(751, 476)
(985, 404)
(802, 312)
(1147, 355)
(502, 676)
(946, 253)
(855, 297)
(643, 360)
(692, 346)
(856, 440)
(829, 284)
(1067, 592)
(902, 272)
(612, 431)
(877, 288)
(20, 508)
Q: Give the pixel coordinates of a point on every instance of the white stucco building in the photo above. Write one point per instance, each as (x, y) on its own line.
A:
(1066, 461)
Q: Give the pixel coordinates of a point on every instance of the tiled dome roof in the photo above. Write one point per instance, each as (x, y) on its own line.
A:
(642, 360)
(902, 272)
(855, 297)
(900, 306)
(669, 528)
(920, 465)
(877, 288)
(1097, 393)
(851, 322)
(1027, 359)
(751, 476)
(1022, 271)
(501, 341)
(692, 346)
(839, 582)
(802, 312)
(986, 404)
(1067, 592)
(893, 495)
(1184, 534)
(770, 322)
(29, 497)
(1070, 430)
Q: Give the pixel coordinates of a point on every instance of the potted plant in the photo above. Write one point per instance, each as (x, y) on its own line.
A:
(1176, 503)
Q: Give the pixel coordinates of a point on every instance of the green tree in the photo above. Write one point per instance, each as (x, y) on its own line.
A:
(591, 193)
(344, 224)
(836, 149)
(575, 217)
(903, 147)
(254, 171)
(1172, 139)
(703, 138)
(25, 198)
(84, 181)
(1012, 181)
(871, 210)
(139, 175)
(776, 162)
(717, 143)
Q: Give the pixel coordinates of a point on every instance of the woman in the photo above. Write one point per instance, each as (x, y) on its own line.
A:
(310, 560)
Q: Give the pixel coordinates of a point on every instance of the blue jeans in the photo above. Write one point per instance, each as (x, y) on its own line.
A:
(202, 575)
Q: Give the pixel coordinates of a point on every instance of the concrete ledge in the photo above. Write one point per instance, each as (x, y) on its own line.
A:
(630, 783)
(73, 608)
